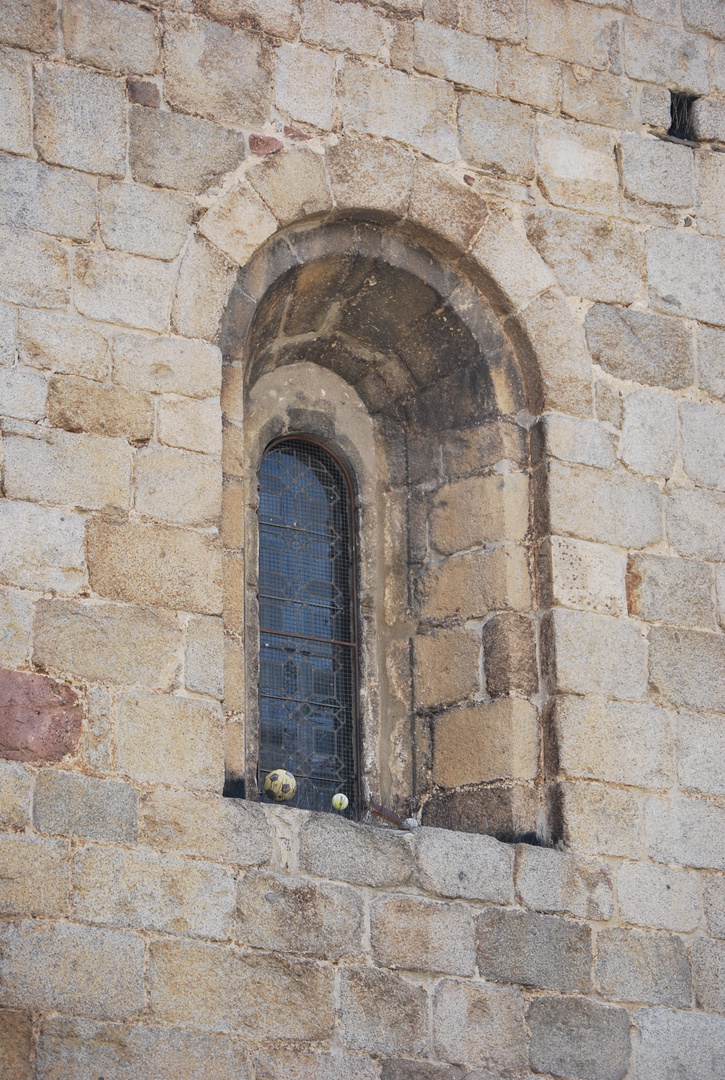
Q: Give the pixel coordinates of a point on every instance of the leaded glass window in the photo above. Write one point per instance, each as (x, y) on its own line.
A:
(308, 655)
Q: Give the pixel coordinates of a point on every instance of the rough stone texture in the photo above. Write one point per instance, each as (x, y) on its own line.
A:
(202, 290)
(115, 287)
(227, 830)
(489, 741)
(80, 405)
(22, 394)
(422, 935)
(345, 27)
(164, 365)
(553, 881)
(529, 79)
(688, 1043)
(332, 847)
(144, 222)
(595, 654)
(584, 575)
(471, 512)
(671, 590)
(203, 667)
(374, 172)
(496, 135)
(506, 813)
(683, 273)
(35, 876)
(16, 1035)
(303, 85)
(36, 196)
(708, 968)
(110, 36)
(708, 120)
(15, 125)
(183, 152)
(657, 172)
(574, 439)
(447, 667)
(714, 893)
(179, 488)
(369, 998)
(449, 54)
(15, 795)
(641, 345)
(646, 967)
(106, 642)
(54, 342)
(609, 508)
(68, 469)
(33, 269)
(80, 119)
(464, 866)
(479, 1024)
(509, 655)
(564, 368)
(700, 753)
(599, 97)
(543, 951)
(191, 425)
(239, 223)
(470, 585)
(658, 896)
(685, 667)
(686, 831)
(40, 719)
(570, 32)
(703, 443)
(710, 211)
(576, 1037)
(171, 740)
(69, 804)
(649, 432)
(577, 165)
(601, 819)
(41, 548)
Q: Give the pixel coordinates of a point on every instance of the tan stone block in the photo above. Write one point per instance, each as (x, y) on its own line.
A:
(491, 741)
(61, 344)
(126, 289)
(304, 80)
(370, 172)
(596, 654)
(584, 575)
(471, 512)
(576, 165)
(601, 819)
(293, 185)
(446, 666)
(700, 753)
(513, 265)
(333, 847)
(40, 549)
(33, 269)
(111, 36)
(369, 998)
(106, 643)
(180, 488)
(597, 97)
(607, 507)
(509, 655)
(155, 564)
(569, 31)
(232, 527)
(529, 79)
(348, 28)
(55, 201)
(658, 896)
(129, 889)
(71, 804)
(80, 405)
(202, 290)
(233, 454)
(659, 54)
(87, 471)
(277, 17)
(479, 1023)
(239, 223)
(258, 995)
(299, 916)
(35, 876)
(22, 394)
(422, 935)
(16, 1042)
(204, 660)
(671, 590)
(167, 365)
(226, 830)
(445, 205)
(8, 335)
(215, 71)
(98, 744)
(56, 966)
(555, 356)
(690, 832)
(449, 54)
(173, 740)
(30, 25)
(16, 785)
(502, 20)
(191, 425)
(80, 119)
(639, 966)
(183, 152)
(557, 881)
(234, 676)
(15, 120)
(143, 221)
(497, 136)
(710, 170)
(476, 449)
(472, 585)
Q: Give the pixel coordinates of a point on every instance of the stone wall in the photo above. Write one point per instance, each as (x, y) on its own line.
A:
(162, 167)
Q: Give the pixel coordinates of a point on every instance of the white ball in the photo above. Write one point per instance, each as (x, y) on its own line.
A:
(340, 801)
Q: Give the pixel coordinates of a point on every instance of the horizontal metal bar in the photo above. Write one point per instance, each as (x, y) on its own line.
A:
(308, 637)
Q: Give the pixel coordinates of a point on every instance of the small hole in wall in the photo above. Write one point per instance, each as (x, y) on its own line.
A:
(681, 116)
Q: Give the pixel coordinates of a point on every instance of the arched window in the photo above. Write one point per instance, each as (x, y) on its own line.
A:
(307, 619)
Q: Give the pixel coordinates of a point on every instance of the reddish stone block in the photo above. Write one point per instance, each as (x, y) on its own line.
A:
(142, 92)
(40, 719)
(262, 145)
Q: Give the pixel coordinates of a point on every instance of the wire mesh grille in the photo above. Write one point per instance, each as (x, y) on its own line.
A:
(308, 662)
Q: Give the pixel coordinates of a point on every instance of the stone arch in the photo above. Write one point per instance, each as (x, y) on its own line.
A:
(327, 244)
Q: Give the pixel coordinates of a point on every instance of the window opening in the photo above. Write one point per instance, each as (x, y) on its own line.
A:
(307, 619)
(681, 116)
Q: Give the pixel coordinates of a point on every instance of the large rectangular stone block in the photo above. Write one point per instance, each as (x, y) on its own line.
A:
(184, 152)
(657, 172)
(226, 830)
(702, 428)
(556, 881)
(191, 425)
(204, 657)
(41, 548)
(471, 585)
(659, 54)
(596, 654)
(110, 36)
(55, 342)
(55, 467)
(171, 739)
(578, 1037)
(479, 1024)
(304, 83)
(700, 753)
(16, 616)
(684, 271)
(691, 1043)
(15, 121)
(609, 508)
(641, 345)
(80, 405)
(135, 889)
(696, 523)
(332, 847)
(31, 25)
(106, 643)
(179, 488)
(256, 994)
(16, 1045)
(35, 875)
(70, 804)
(450, 54)
(575, 439)
(492, 740)
(599, 97)
(22, 394)
(658, 896)
(544, 951)
(649, 433)
(143, 221)
(80, 119)
(601, 819)
(346, 27)
(690, 832)
(55, 201)
(707, 959)
(16, 785)
(468, 513)
(126, 289)
(33, 269)
(710, 178)
(579, 574)
(671, 590)
(574, 32)
(714, 896)
(167, 365)
(369, 996)
(634, 965)
(463, 865)
(496, 135)
(205, 281)
(422, 935)
(686, 667)
(577, 167)
(527, 78)
(296, 915)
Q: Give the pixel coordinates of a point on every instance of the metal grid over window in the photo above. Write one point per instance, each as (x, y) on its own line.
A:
(308, 655)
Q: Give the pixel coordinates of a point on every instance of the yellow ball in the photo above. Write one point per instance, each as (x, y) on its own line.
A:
(339, 801)
(280, 785)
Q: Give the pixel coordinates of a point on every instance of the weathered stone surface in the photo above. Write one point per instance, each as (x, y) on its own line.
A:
(376, 173)
(671, 590)
(463, 866)
(80, 1049)
(8, 335)
(595, 257)
(710, 178)
(576, 165)
(125, 289)
(99, 739)
(77, 470)
(601, 819)
(16, 784)
(143, 221)
(191, 425)
(468, 513)
(422, 935)
(596, 654)
(535, 950)
(361, 854)
(714, 896)
(704, 15)
(609, 508)
(489, 741)
(690, 832)
(16, 1039)
(708, 971)
(518, 270)
(345, 27)
(204, 658)
(416, 111)
(33, 269)
(449, 54)
(202, 290)
(227, 830)
(69, 804)
(658, 896)
(60, 344)
(649, 432)
(580, 35)
(574, 439)
(292, 185)
(686, 667)
(299, 916)
(503, 20)
(691, 1043)
(477, 448)
(577, 1037)
(183, 489)
(128, 889)
(703, 443)
(659, 54)
(695, 523)
(15, 122)
(22, 394)
(527, 78)
(471, 585)
(40, 719)
(584, 575)
(80, 405)
(553, 881)
(155, 564)
(369, 998)
(619, 742)
(554, 348)
(65, 968)
(408, 1069)
(599, 97)
(447, 665)
(638, 966)
(708, 120)
(41, 548)
(111, 36)
(684, 272)
(276, 1063)
(55, 201)
(34, 876)
(80, 119)
(239, 223)
(701, 753)
(106, 642)
(479, 1024)
(171, 739)
(258, 995)
(167, 365)
(496, 135)
(506, 813)
(182, 152)
(657, 172)
(509, 655)
(304, 80)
